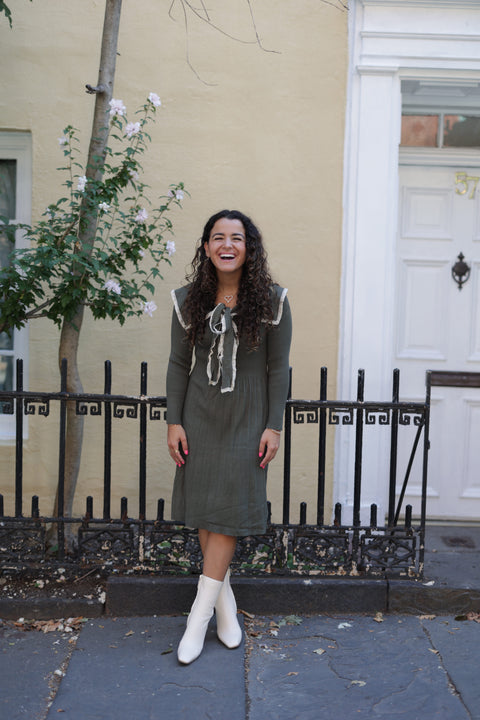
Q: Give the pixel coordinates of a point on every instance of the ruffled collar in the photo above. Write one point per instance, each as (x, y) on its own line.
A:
(222, 357)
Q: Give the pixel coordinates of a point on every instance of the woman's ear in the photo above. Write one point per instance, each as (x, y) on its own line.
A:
(206, 248)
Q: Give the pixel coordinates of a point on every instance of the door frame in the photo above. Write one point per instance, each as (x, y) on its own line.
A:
(390, 41)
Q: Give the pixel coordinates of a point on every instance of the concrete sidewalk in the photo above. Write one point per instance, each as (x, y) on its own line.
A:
(329, 667)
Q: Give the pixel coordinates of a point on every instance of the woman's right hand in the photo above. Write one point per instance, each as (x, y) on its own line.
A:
(176, 439)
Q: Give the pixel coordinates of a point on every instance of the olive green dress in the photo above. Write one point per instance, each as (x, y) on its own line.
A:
(225, 401)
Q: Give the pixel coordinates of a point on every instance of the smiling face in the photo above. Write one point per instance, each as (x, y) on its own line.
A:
(226, 247)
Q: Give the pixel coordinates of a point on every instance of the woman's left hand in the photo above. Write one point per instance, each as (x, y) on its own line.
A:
(269, 444)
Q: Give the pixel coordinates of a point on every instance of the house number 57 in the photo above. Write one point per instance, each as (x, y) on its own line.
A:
(462, 182)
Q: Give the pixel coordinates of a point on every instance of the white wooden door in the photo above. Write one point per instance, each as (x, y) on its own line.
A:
(437, 327)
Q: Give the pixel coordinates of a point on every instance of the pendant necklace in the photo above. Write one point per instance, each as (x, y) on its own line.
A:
(228, 299)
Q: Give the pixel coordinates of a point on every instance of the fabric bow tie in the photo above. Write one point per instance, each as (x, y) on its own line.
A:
(223, 350)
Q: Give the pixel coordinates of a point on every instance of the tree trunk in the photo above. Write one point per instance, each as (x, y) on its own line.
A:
(70, 333)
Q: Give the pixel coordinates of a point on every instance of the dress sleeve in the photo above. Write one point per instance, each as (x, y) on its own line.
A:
(179, 366)
(278, 338)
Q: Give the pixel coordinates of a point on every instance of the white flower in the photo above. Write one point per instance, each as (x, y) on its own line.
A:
(170, 247)
(63, 140)
(113, 286)
(117, 108)
(142, 215)
(149, 308)
(154, 99)
(82, 181)
(133, 174)
(50, 213)
(104, 207)
(178, 194)
(141, 253)
(132, 129)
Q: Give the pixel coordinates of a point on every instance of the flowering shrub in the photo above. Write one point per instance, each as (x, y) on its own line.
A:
(114, 274)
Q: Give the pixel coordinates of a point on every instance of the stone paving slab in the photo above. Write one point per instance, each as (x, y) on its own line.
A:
(458, 645)
(354, 667)
(127, 669)
(28, 661)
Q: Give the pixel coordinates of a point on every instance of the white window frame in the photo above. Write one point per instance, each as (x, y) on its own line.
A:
(18, 146)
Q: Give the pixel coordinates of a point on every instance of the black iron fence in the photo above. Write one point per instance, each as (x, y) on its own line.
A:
(392, 544)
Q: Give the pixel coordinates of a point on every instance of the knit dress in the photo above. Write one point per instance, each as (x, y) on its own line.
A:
(224, 401)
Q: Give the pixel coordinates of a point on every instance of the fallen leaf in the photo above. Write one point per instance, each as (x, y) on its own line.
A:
(319, 651)
(292, 673)
(427, 617)
(431, 582)
(378, 617)
(432, 650)
(167, 651)
(130, 632)
(247, 614)
(359, 683)
(290, 620)
(344, 625)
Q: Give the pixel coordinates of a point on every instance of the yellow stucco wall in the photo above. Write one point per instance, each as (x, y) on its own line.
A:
(261, 132)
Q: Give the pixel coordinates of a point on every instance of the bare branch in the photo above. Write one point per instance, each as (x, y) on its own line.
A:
(187, 48)
(337, 4)
(37, 312)
(259, 42)
(70, 227)
(202, 14)
(95, 90)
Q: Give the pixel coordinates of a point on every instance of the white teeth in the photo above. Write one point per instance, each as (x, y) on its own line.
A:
(227, 257)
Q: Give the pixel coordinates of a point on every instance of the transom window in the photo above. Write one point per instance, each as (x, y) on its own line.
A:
(440, 113)
(440, 130)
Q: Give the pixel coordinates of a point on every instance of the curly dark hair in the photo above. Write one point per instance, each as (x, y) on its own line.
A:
(254, 302)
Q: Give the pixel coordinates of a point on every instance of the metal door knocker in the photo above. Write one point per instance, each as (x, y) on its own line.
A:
(461, 271)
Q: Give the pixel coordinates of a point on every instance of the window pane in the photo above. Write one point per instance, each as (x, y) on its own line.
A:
(8, 185)
(419, 130)
(6, 248)
(461, 131)
(6, 343)
(6, 372)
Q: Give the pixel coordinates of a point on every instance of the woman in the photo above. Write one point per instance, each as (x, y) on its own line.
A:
(225, 413)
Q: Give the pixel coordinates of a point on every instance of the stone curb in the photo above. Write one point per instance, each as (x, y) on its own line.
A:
(173, 595)
(147, 596)
(49, 608)
(417, 598)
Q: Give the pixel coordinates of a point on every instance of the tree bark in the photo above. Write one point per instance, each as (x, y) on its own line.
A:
(70, 332)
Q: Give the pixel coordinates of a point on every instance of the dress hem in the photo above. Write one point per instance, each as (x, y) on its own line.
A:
(211, 527)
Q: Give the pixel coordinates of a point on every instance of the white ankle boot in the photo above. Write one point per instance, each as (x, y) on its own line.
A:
(191, 644)
(228, 629)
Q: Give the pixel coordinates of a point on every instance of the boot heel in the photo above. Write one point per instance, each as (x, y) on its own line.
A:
(228, 629)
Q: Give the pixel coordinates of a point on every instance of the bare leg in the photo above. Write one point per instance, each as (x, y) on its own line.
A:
(217, 552)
